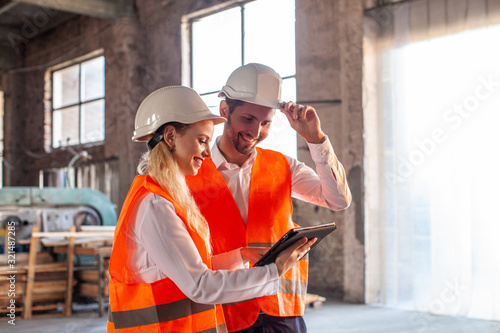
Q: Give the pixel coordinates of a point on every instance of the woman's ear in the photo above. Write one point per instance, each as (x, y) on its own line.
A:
(169, 134)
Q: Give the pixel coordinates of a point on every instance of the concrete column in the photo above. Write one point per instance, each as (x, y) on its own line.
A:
(329, 77)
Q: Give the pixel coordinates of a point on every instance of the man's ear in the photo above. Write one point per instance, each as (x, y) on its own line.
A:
(224, 109)
(169, 135)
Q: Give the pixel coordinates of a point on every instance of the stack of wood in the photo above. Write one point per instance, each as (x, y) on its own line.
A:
(88, 282)
(49, 287)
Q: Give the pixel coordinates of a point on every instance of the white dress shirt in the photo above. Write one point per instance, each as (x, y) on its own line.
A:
(328, 187)
(160, 246)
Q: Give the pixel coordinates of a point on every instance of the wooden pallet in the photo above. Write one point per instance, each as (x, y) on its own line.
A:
(43, 294)
(48, 287)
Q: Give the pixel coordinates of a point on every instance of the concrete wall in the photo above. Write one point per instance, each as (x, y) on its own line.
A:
(329, 71)
(143, 52)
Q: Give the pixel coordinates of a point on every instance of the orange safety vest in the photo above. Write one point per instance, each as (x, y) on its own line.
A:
(159, 306)
(269, 218)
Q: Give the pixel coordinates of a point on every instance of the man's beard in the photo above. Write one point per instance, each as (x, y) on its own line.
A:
(237, 140)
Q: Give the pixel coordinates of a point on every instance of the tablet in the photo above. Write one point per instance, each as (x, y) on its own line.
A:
(293, 235)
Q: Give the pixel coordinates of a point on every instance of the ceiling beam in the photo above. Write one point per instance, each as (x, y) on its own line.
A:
(96, 8)
(6, 5)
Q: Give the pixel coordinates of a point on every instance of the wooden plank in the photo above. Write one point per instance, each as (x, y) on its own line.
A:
(86, 250)
(97, 228)
(45, 307)
(91, 290)
(44, 298)
(22, 258)
(5, 310)
(88, 234)
(71, 262)
(31, 274)
(51, 275)
(88, 275)
(49, 287)
(39, 267)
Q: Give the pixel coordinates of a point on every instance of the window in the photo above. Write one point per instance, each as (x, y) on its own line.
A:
(78, 103)
(432, 162)
(249, 32)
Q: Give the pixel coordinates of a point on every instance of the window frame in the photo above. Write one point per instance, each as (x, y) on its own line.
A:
(187, 34)
(49, 82)
(187, 60)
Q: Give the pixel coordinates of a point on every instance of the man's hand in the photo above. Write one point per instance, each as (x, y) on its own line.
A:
(304, 120)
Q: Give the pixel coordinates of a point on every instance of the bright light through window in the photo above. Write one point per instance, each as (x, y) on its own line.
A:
(441, 142)
(78, 103)
(268, 37)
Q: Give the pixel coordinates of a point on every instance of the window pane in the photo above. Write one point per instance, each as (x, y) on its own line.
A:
(216, 49)
(65, 87)
(65, 127)
(92, 125)
(270, 34)
(92, 79)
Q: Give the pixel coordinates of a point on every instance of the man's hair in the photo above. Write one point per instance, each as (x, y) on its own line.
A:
(233, 103)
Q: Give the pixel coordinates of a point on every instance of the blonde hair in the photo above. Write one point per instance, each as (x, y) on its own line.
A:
(161, 165)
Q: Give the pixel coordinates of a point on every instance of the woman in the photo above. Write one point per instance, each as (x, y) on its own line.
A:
(161, 277)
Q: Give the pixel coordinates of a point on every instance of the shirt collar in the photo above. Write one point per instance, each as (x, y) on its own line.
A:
(219, 160)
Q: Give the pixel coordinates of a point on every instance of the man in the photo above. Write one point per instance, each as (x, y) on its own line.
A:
(245, 192)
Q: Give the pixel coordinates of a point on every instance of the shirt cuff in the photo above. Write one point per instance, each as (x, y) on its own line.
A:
(231, 261)
(275, 282)
(320, 152)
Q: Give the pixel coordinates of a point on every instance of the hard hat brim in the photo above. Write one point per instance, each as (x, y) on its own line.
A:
(144, 134)
(249, 99)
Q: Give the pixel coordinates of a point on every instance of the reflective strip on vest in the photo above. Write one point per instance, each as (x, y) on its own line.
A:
(292, 287)
(157, 314)
(219, 329)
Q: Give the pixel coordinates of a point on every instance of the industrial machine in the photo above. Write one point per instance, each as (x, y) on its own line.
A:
(52, 209)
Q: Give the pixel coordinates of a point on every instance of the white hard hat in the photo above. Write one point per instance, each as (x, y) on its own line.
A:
(254, 83)
(168, 104)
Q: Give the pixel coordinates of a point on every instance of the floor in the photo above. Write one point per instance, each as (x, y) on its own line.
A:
(332, 317)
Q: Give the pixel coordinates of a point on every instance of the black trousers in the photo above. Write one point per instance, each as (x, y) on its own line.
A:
(269, 324)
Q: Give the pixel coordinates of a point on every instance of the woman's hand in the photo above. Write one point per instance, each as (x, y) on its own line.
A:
(289, 257)
(252, 254)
